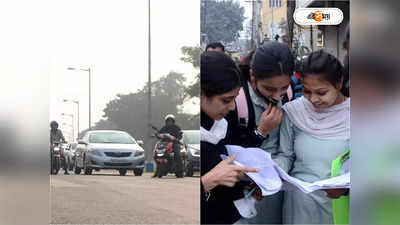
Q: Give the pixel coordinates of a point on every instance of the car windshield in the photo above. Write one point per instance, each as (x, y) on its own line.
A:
(111, 137)
(192, 137)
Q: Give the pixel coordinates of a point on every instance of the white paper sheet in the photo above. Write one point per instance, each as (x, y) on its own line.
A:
(246, 207)
(270, 175)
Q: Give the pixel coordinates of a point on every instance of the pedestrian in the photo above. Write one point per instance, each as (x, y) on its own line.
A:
(255, 121)
(220, 186)
(215, 46)
(315, 130)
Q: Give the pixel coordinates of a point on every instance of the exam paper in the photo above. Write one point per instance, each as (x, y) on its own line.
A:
(270, 175)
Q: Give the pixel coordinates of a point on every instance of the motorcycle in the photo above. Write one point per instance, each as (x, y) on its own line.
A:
(55, 158)
(163, 154)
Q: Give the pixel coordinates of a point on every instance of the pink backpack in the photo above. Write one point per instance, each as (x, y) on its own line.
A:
(243, 108)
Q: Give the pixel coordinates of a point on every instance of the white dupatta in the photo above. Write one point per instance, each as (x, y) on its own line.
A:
(331, 123)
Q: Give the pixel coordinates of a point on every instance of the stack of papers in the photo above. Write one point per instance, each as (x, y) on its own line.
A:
(270, 176)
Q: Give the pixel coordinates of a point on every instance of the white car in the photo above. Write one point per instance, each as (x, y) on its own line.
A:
(109, 149)
(191, 140)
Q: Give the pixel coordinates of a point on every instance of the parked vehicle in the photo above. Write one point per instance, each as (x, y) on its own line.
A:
(109, 149)
(191, 141)
(55, 157)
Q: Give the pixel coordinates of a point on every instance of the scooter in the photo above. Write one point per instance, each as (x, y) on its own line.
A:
(163, 154)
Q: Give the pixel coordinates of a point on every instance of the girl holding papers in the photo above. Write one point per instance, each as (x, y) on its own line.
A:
(220, 185)
(315, 130)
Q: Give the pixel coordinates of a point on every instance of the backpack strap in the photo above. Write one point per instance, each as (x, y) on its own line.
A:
(242, 108)
(289, 93)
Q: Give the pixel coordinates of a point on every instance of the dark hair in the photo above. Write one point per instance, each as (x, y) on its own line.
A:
(54, 124)
(325, 65)
(272, 59)
(244, 66)
(215, 45)
(218, 74)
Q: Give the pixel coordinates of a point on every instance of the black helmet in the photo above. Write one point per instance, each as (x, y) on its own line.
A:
(54, 124)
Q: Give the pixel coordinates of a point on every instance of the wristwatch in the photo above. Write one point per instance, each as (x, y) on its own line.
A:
(260, 135)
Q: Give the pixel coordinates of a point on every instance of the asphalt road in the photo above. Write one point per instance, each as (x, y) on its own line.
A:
(107, 198)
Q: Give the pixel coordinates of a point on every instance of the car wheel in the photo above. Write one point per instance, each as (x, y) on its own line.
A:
(122, 172)
(189, 170)
(138, 172)
(77, 169)
(88, 171)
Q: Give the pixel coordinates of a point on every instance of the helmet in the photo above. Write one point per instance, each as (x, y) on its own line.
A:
(54, 124)
(169, 116)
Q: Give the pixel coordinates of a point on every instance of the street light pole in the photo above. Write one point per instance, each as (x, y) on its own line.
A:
(90, 94)
(72, 116)
(90, 101)
(77, 136)
(149, 82)
(77, 104)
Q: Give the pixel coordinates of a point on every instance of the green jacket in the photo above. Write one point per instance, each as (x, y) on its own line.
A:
(340, 206)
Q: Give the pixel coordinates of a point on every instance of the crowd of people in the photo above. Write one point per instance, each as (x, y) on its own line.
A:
(252, 103)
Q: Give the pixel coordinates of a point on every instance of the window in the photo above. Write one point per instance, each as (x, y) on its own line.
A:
(275, 3)
(191, 137)
(111, 137)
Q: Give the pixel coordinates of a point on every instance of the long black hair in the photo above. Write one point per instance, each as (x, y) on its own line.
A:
(218, 74)
(325, 65)
(272, 59)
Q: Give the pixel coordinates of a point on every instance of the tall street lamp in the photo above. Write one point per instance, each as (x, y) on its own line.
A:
(149, 79)
(72, 116)
(69, 134)
(77, 103)
(90, 101)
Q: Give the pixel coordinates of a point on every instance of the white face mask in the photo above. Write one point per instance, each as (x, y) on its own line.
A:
(216, 133)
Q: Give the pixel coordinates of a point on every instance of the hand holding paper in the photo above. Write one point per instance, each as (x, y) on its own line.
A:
(225, 174)
(270, 175)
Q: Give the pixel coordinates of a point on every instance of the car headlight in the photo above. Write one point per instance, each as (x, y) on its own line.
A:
(194, 151)
(96, 152)
(56, 149)
(139, 153)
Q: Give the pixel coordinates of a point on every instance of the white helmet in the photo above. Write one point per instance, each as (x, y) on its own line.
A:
(169, 116)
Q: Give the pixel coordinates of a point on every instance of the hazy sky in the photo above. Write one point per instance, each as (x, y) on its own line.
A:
(110, 37)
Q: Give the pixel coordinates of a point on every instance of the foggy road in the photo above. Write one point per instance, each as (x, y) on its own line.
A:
(106, 197)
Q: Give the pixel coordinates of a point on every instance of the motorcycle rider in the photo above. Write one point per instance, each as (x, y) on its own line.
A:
(56, 135)
(174, 130)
